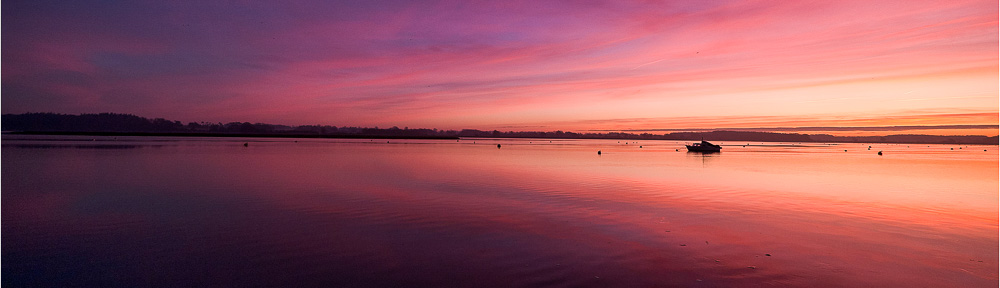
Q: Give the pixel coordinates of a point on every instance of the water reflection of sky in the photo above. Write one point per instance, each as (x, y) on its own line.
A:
(532, 213)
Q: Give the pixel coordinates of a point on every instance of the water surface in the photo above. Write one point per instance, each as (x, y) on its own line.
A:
(158, 211)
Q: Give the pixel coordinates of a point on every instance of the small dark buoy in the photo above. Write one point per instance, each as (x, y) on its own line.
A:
(845, 150)
(498, 146)
(598, 152)
(879, 153)
(640, 146)
(246, 144)
(767, 254)
(677, 150)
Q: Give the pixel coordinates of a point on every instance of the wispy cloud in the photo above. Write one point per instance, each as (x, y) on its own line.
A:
(935, 119)
(479, 64)
(827, 128)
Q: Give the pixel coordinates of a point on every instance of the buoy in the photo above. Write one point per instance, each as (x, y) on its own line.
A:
(879, 153)
(598, 152)
(498, 146)
(640, 146)
(246, 144)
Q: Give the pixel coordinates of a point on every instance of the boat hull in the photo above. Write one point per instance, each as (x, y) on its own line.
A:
(703, 149)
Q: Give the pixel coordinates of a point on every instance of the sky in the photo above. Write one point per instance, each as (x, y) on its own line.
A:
(857, 67)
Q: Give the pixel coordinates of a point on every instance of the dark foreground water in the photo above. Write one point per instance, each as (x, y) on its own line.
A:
(188, 212)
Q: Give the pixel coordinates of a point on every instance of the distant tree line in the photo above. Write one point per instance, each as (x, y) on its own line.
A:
(110, 122)
(127, 123)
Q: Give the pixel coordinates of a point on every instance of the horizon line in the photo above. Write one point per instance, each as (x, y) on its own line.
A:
(804, 129)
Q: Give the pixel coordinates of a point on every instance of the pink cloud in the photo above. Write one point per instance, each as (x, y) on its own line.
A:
(455, 64)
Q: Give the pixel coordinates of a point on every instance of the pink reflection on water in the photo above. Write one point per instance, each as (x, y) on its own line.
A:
(535, 212)
(912, 217)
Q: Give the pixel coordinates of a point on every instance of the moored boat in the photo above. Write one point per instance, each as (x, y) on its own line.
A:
(704, 146)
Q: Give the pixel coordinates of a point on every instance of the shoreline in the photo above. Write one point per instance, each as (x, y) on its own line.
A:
(230, 135)
(429, 137)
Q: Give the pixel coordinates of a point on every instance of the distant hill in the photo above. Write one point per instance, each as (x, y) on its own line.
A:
(127, 124)
(103, 122)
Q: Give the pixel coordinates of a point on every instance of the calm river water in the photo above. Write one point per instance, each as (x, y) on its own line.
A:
(189, 212)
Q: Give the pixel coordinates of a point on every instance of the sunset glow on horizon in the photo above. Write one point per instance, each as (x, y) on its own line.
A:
(854, 67)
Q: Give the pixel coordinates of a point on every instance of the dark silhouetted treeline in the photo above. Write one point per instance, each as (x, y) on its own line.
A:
(126, 124)
(104, 122)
